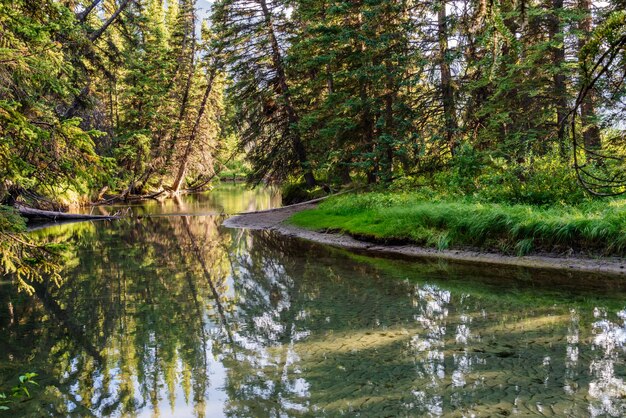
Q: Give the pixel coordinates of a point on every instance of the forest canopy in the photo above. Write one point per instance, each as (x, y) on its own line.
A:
(514, 101)
(138, 96)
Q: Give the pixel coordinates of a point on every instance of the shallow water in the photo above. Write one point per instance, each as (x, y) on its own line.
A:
(179, 316)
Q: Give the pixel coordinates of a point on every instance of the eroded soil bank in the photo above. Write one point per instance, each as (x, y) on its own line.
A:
(275, 220)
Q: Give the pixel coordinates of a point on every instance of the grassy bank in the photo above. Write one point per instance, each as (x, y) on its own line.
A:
(597, 228)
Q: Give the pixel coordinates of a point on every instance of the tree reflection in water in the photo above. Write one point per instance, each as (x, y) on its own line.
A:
(178, 316)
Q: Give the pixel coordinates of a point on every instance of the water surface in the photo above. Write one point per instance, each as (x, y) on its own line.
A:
(178, 316)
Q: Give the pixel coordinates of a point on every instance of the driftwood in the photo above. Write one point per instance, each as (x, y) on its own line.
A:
(127, 198)
(31, 213)
(295, 205)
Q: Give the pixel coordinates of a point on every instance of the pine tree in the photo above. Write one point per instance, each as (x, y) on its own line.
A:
(255, 36)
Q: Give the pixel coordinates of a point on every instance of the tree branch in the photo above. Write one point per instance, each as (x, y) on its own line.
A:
(83, 16)
(95, 35)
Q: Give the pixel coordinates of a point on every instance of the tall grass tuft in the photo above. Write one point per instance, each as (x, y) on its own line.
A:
(596, 228)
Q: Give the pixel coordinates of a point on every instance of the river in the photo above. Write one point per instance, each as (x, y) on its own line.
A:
(178, 316)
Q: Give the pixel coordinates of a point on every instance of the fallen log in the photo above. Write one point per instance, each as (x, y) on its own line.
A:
(31, 213)
(127, 198)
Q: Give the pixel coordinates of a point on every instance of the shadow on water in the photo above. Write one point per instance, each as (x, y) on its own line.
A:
(179, 316)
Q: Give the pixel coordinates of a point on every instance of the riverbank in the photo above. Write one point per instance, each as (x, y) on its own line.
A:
(288, 221)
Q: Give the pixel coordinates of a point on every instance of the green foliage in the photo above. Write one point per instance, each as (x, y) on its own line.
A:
(343, 90)
(547, 180)
(18, 392)
(235, 169)
(22, 259)
(465, 168)
(71, 101)
(11, 221)
(349, 63)
(544, 180)
(611, 31)
(592, 228)
(40, 148)
(132, 153)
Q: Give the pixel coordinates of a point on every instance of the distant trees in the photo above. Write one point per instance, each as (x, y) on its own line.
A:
(170, 99)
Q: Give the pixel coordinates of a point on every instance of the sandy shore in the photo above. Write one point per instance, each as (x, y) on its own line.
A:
(274, 219)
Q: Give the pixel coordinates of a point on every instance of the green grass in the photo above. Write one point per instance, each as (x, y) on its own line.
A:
(597, 228)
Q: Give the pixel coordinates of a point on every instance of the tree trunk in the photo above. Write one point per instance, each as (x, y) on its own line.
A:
(83, 16)
(31, 213)
(185, 94)
(95, 35)
(367, 123)
(343, 172)
(173, 82)
(182, 170)
(559, 79)
(283, 90)
(367, 119)
(387, 167)
(590, 130)
(447, 91)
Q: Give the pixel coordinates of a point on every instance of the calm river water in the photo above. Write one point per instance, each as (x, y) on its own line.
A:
(178, 316)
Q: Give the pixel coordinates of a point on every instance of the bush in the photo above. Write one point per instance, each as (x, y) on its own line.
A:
(544, 181)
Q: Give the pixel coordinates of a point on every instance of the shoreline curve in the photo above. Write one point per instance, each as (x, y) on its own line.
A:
(274, 220)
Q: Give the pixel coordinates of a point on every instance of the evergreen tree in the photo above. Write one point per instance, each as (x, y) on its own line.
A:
(255, 36)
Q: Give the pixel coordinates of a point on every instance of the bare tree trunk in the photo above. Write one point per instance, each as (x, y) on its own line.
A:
(330, 82)
(447, 91)
(185, 97)
(590, 130)
(283, 90)
(79, 100)
(182, 170)
(111, 108)
(181, 114)
(367, 123)
(473, 54)
(343, 171)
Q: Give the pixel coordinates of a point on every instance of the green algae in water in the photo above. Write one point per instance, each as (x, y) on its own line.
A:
(178, 316)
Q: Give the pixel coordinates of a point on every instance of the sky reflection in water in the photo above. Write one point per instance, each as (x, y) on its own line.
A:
(178, 316)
